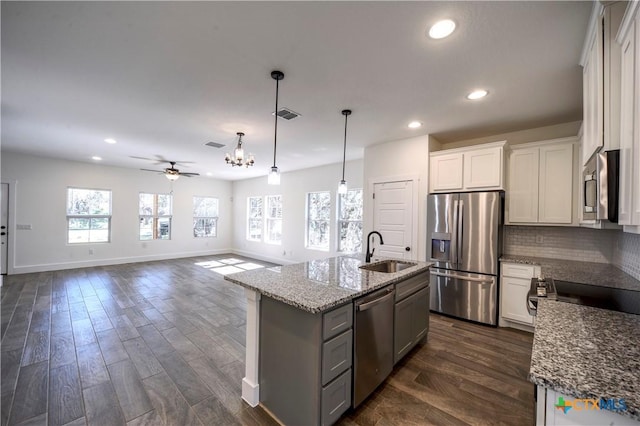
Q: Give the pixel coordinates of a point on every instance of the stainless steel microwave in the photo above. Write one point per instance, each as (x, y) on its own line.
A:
(600, 183)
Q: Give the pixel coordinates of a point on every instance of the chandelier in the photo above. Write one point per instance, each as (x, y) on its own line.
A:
(238, 155)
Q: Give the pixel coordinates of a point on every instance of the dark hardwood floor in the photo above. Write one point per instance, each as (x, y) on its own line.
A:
(162, 343)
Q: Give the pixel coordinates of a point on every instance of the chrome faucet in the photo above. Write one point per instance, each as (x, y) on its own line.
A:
(370, 253)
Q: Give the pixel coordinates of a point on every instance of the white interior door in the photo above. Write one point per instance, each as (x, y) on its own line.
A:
(4, 226)
(392, 217)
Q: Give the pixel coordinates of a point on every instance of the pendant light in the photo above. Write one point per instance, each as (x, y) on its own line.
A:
(274, 174)
(342, 187)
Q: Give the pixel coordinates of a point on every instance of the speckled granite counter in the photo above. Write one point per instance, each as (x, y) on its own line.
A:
(587, 352)
(319, 285)
(602, 274)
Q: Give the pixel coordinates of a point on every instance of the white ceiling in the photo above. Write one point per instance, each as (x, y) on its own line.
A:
(164, 78)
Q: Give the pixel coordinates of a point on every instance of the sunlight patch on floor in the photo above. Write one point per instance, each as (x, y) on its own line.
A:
(229, 265)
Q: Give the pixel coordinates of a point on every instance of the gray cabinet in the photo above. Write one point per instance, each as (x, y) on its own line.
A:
(411, 314)
(305, 362)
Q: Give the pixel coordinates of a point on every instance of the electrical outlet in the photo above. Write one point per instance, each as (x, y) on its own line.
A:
(539, 239)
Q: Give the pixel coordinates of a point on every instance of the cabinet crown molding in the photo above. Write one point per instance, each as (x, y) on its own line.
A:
(596, 13)
(558, 141)
(628, 18)
(446, 151)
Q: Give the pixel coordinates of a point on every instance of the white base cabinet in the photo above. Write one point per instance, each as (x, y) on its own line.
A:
(478, 168)
(541, 183)
(515, 281)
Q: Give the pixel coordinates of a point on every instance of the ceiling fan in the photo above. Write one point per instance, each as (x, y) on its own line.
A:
(170, 173)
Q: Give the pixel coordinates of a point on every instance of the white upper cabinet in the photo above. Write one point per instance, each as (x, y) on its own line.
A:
(556, 195)
(592, 97)
(446, 172)
(541, 186)
(522, 185)
(601, 80)
(478, 168)
(629, 200)
(483, 168)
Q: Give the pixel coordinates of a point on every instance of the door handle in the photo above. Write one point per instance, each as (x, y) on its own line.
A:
(3, 227)
(460, 230)
(407, 249)
(460, 277)
(3, 233)
(375, 302)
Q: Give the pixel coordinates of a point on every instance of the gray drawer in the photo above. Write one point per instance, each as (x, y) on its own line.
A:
(337, 355)
(336, 321)
(411, 285)
(336, 399)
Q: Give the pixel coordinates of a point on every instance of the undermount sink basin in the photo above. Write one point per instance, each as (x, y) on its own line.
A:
(388, 266)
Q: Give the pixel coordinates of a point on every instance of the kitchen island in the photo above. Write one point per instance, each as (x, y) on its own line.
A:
(299, 332)
(584, 360)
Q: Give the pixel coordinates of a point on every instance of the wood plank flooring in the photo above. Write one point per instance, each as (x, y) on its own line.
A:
(162, 343)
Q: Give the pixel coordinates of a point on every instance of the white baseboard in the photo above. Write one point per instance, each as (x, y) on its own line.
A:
(250, 392)
(113, 261)
(259, 256)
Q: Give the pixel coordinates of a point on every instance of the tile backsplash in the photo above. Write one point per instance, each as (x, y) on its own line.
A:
(626, 253)
(582, 244)
(586, 245)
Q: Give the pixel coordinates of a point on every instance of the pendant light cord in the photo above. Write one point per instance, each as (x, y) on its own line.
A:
(344, 151)
(275, 114)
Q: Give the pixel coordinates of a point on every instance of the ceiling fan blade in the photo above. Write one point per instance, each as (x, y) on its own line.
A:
(149, 170)
(160, 160)
(189, 174)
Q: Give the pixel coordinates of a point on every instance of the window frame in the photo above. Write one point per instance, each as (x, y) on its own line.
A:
(308, 221)
(340, 220)
(204, 218)
(269, 221)
(155, 217)
(89, 217)
(261, 219)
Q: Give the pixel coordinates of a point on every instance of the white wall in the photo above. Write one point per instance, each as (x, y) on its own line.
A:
(399, 160)
(293, 187)
(39, 199)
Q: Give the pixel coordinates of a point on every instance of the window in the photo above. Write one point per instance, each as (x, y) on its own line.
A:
(205, 217)
(88, 215)
(255, 217)
(318, 217)
(273, 219)
(155, 216)
(350, 221)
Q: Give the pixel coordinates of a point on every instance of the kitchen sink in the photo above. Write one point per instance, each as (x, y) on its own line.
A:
(388, 266)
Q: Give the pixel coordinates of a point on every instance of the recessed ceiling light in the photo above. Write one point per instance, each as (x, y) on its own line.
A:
(96, 158)
(414, 125)
(209, 174)
(477, 94)
(110, 140)
(442, 29)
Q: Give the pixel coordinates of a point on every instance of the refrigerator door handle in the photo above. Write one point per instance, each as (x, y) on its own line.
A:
(459, 232)
(460, 277)
(454, 236)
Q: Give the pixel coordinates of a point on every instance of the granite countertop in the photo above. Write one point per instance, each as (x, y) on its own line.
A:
(319, 285)
(601, 274)
(587, 352)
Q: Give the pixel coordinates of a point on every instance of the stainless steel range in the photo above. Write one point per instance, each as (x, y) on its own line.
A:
(615, 299)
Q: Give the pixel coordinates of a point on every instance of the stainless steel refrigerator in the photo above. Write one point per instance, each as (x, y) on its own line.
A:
(464, 240)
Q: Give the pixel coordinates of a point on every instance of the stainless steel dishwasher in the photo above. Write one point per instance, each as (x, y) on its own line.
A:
(373, 342)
